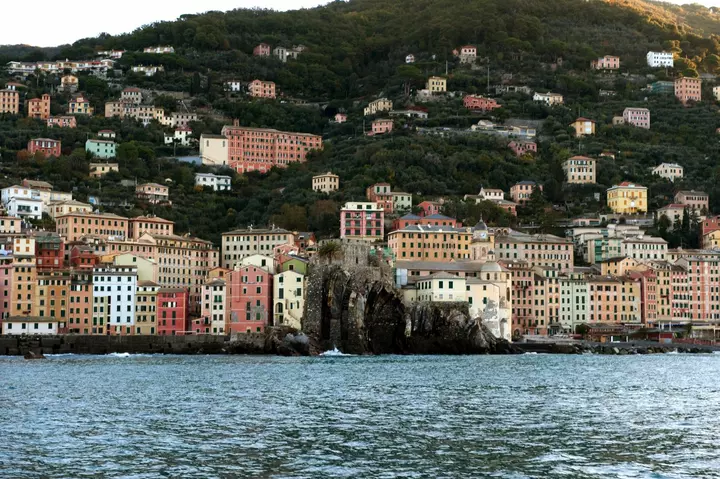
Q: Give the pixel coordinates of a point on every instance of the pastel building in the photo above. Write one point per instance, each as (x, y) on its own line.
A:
(627, 198)
(430, 243)
(441, 287)
(261, 89)
(62, 122)
(9, 101)
(377, 106)
(250, 300)
(131, 95)
(45, 145)
(362, 221)
(522, 191)
(241, 243)
(79, 105)
(173, 311)
(288, 299)
(98, 170)
(262, 50)
(670, 171)
(660, 59)
(326, 182)
(436, 84)
(381, 126)
(673, 212)
(548, 98)
(39, 107)
(608, 62)
(114, 291)
(697, 200)
(580, 170)
(216, 182)
(153, 193)
(74, 225)
(537, 250)
(583, 127)
(32, 326)
(520, 147)
(213, 150)
(639, 117)
(480, 103)
(688, 89)
(259, 149)
(59, 208)
(146, 307)
(104, 149)
(467, 53)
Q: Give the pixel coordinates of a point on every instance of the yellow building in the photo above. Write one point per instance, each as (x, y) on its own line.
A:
(436, 85)
(431, 243)
(376, 106)
(583, 126)
(24, 277)
(627, 198)
(711, 240)
(146, 307)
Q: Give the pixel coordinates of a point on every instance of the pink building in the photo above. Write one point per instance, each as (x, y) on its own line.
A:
(250, 300)
(608, 62)
(648, 295)
(429, 208)
(62, 122)
(173, 310)
(520, 192)
(362, 221)
(710, 224)
(262, 50)
(520, 147)
(430, 220)
(703, 282)
(259, 149)
(688, 89)
(381, 194)
(639, 117)
(480, 103)
(46, 145)
(340, 118)
(381, 126)
(262, 89)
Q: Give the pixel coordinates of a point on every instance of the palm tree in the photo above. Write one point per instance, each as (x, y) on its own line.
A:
(330, 251)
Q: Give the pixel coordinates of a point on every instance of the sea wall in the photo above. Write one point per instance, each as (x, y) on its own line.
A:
(282, 341)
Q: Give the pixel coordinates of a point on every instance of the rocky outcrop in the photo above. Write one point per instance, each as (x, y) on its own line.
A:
(355, 307)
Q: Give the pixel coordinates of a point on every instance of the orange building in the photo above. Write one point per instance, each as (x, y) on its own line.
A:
(259, 149)
(80, 297)
(431, 243)
(9, 101)
(75, 225)
(687, 89)
(262, 89)
(39, 107)
(51, 294)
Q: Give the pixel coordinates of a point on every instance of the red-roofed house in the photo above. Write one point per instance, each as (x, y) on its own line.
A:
(480, 103)
(429, 208)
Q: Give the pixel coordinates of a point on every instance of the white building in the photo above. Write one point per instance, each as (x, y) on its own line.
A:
(182, 136)
(548, 98)
(213, 150)
(214, 301)
(670, 171)
(410, 58)
(288, 299)
(233, 86)
(114, 297)
(30, 325)
(644, 248)
(489, 298)
(148, 71)
(326, 182)
(216, 182)
(159, 50)
(441, 287)
(182, 120)
(239, 244)
(401, 201)
(22, 202)
(660, 59)
(266, 263)
(574, 301)
(281, 53)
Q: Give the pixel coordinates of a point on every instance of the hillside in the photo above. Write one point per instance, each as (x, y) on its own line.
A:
(356, 52)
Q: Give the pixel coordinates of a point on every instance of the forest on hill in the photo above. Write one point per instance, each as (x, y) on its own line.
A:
(356, 52)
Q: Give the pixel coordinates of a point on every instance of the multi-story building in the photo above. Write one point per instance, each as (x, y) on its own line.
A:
(216, 182)
(326, 182)
(214, 308)
(480, 103)
(670, 171)
(49, 251)
(432, 220)
(573, 301)
(614, 300)
(80, 302)
(120, 109)
(131, 95)
(548, 98)
(381, 195)
(153, 193)
(608, 62)
(114, 290)
(161, 50)
(62, 122)
(69, 83)
(259, 149)
(644, 248)
(467, 53)
(9, 101)
(56, 209)
(377, 106)
(261, 89)
(362, 221)
(288, 299)
(47, 146)
(39, 107)
(639, 117)
(250, 300)
(627, 198)
(148, 70)
(262, 50)
(673, 212)
(436, 84)
(402, 201)
(146, 307)
(22, 202)
(688, 89)
(537, 250)
(239, 244)
(522, 191)
(660, 59)
(101, 148)
(430, 243)
(173, 311)
(51, 294)
(98, 170)
(213, 150)
(583, 127)
(696, 200)
(521, 147)
(153, 225)
(381, 126)
(580, 170)
(79, 105)
(75, 225)
(33, 325)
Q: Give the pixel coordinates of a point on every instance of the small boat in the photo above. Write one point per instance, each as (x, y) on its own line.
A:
(31, 355)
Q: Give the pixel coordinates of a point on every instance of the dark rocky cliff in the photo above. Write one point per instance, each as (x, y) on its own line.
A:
(354, 306)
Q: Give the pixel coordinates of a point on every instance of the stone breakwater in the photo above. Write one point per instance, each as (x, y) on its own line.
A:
(279, 341)
(620, 349)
